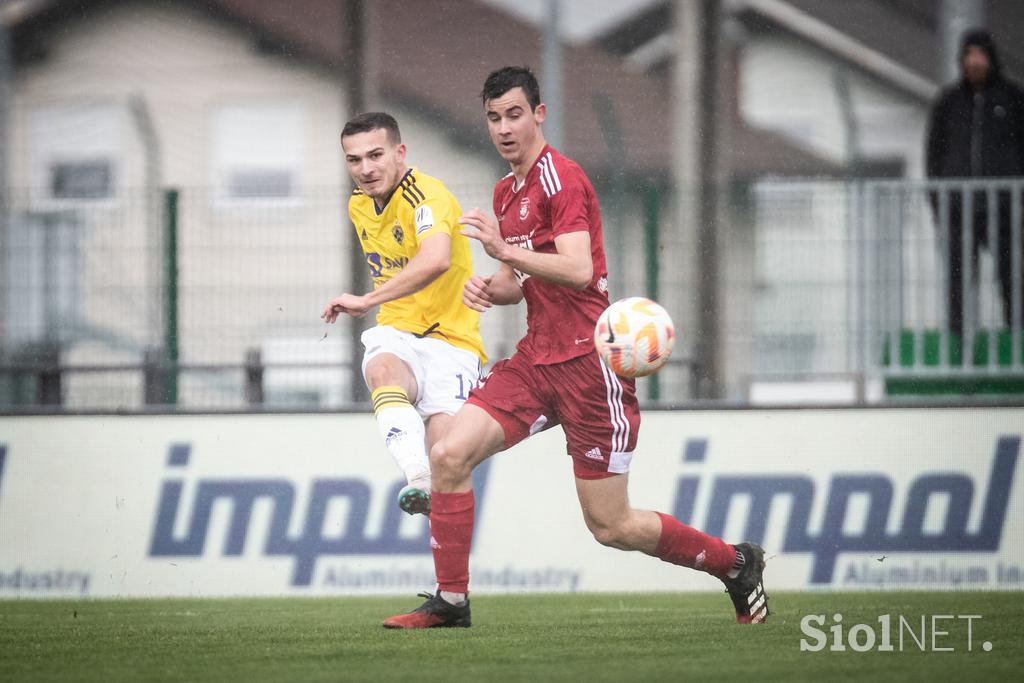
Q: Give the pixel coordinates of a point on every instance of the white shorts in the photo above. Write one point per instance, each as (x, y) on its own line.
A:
(444, 373)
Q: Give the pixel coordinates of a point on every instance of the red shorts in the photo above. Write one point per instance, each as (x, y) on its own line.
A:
(597, 409)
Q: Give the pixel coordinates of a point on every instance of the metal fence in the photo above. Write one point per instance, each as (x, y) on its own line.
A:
(867, 282)
(190, 301)
(946, 261)
(177, 298)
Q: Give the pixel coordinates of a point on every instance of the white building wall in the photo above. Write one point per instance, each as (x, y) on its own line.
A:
(790, 87)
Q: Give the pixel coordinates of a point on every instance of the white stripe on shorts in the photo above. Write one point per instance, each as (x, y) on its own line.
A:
(619, 462)
(538, 424)
(613, 393)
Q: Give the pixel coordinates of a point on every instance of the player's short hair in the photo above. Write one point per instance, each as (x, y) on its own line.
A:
(373, 120)
(506, 78)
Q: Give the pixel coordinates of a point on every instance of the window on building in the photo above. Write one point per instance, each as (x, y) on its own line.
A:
(81, 179)
(258, 151)
(269, 183)
(74, 151)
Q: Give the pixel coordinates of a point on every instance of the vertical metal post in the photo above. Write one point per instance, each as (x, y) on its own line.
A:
(841, 86)
(850, 256)
(914, 204)
(946, 332)
(359, 83)
(140, 113)
(1015, 269)
(995, 249)
(886, 275)
(170, 396)
(896, 262)
(687, 24)
(880, 284)
(651, 198)
(553, 87)
(51, 311)
(860, 265)
(5, 90)
(967, 275)
(708, 346)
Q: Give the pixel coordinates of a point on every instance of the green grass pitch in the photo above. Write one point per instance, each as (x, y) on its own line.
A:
(580, 637)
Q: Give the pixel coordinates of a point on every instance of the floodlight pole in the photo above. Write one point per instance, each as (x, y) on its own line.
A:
(5, 92)
(552, 88)
(698, 125)
(359, 97)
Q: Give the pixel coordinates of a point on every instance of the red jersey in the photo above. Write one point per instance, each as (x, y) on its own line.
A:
(556, 198)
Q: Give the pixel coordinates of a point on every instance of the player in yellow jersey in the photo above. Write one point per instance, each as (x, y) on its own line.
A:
(425, 353)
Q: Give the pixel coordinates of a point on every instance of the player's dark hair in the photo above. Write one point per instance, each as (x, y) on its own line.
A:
(506, 78)
(373, 120)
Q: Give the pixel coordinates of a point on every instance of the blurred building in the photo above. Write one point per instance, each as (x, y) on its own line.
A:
(237, 104)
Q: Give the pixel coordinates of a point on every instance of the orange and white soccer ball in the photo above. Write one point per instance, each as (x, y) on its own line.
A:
(634, 336)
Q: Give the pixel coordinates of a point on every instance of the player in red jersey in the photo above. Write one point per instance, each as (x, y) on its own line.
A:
(546, 232)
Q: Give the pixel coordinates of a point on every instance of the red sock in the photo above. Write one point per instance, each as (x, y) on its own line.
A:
(685, 546)
(451, 533)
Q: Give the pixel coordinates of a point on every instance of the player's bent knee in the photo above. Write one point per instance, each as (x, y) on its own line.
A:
(612, 535)
(446, 461)
(382, 374)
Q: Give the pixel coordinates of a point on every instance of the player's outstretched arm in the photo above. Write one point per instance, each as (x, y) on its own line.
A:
(500, 289)
(571, 264)
(429, 263)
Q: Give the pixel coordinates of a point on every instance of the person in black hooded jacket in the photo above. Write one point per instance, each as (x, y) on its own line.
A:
(977, 131)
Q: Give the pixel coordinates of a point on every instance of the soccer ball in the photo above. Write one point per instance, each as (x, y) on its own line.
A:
(634, 336)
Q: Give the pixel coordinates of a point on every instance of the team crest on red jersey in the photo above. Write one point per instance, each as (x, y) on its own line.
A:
(524, 208)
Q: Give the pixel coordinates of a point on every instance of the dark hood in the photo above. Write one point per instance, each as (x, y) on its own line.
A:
(983, 39)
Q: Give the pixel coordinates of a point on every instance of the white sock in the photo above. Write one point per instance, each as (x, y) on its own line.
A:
(457, 599)
(402, 430)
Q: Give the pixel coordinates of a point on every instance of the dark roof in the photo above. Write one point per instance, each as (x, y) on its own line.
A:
(910, 29)
(315, 33)
(902, 30)
(316, 28)
(443, 68)
(756, 152)
(622, 38)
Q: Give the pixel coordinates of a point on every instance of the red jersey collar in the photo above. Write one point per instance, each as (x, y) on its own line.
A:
(547, 148)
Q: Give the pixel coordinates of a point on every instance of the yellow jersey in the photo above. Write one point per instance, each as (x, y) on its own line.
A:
(419, 207)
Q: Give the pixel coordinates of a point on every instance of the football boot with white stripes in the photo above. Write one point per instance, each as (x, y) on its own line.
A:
(747, 589)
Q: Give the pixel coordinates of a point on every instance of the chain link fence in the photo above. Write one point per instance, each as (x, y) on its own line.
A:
(189, 300)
